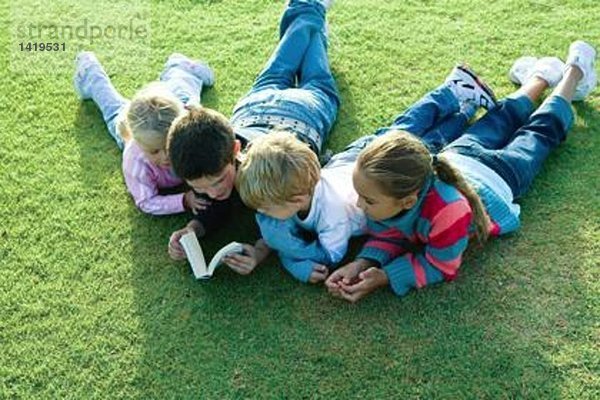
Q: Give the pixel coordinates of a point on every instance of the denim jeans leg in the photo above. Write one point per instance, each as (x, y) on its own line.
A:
(524, 155)
(435, 118)
(185, 86)
(427, 112)
(315, 76)
(497, 126)
(298, 23)
(351, 152)
(109, 101)
(445, 132)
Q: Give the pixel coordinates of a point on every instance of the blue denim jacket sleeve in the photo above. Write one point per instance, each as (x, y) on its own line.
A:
(296, 253)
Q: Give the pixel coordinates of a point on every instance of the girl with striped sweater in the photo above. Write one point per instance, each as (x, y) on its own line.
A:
(423, 208)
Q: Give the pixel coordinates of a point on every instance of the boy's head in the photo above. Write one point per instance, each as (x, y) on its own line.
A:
(202, 149)
(278, 175)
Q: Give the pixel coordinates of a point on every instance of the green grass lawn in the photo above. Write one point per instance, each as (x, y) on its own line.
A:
(92, 307)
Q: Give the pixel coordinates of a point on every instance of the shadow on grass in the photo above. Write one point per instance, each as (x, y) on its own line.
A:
(493, 333)
(93, 140)
(343, 132)
(496, 332)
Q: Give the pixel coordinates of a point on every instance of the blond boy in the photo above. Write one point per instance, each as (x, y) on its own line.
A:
(304, 213)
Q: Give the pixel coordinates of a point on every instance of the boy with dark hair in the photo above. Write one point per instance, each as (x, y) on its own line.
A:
(201, 144)
(295, 92)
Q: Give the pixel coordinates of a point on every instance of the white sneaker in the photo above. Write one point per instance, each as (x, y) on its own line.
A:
(583, 56)
(86, 63)
(468, 87)
(197, 68)
(549, 69)
(522, 69)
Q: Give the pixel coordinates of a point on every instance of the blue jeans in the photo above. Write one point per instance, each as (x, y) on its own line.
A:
(514, 142)
(435, 119)
(296, 84)
(181, 83)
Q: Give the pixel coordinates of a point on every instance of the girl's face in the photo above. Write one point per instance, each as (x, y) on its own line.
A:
(377, 205)
(156, 152)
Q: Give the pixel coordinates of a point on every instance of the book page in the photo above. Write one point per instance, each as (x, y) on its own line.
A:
(231, 248)
(194, 254)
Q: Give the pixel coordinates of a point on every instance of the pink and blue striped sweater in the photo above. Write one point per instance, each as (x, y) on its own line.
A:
(425, 244)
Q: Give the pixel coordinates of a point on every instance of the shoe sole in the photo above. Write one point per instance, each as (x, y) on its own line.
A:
(482, 85)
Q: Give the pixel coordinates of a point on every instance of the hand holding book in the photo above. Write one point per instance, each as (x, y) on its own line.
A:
(245, 263)
(195, 256)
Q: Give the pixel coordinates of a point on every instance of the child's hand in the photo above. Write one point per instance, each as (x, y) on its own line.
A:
(245, 263)
(318, 274)
(368, 281)
(176, 251)
(194, 203)
(348, 275)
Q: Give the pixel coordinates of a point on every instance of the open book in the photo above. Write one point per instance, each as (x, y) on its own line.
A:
(195, 256)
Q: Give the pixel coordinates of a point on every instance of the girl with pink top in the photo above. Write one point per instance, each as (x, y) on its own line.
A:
(140, 126)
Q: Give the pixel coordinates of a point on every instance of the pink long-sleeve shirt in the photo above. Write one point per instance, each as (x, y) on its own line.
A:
(144, 179)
